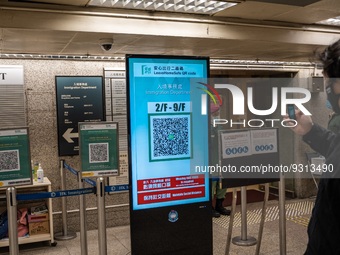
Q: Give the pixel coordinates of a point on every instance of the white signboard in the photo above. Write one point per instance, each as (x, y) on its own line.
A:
(11, 75)
(235, 144)
(263, 141)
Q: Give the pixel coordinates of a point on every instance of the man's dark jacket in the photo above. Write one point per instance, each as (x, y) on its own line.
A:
(324, 225)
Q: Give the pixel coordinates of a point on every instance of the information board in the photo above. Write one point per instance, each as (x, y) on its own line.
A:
(169, 134)
(98, 144)
(15, 157)
(248, 156)
(170, 204)
(12, 97)
(79, 99)
(115, 98)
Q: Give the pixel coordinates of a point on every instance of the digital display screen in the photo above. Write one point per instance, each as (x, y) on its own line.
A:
(168, 130)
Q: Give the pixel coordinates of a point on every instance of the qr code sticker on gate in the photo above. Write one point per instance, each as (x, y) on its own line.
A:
(170, 137)
(9, 160)
(99, 152)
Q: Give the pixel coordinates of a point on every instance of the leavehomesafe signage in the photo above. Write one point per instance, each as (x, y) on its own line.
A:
(15, 162)
(99, 149)
(11, 75)
(79, 99)
(168, 70)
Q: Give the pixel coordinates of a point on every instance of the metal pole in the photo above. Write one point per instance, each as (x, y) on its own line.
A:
(12, 221)
(82, 216)
(282, 215)
(101, 216)
(231, 221)
(64, 235)
(244, 240)
(263, 217)
(243, 213)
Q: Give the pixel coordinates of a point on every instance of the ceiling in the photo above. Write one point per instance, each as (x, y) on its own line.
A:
(278, 30)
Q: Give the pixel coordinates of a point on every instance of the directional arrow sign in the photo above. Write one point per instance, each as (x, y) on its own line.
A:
(79, 99)
(68, 135)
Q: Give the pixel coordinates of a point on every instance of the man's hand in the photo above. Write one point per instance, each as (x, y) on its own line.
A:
(304, 123)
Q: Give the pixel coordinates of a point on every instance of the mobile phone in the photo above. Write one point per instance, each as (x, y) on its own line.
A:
(291, 111)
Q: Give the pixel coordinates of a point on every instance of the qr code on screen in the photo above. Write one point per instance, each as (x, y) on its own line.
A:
(98, 152)
(170, 137)
(9, 160)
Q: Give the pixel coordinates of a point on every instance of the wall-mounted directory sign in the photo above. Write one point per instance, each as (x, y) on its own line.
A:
(169, 134)
(79, 99)
(15, 158)
(115, 98)
(98, 144)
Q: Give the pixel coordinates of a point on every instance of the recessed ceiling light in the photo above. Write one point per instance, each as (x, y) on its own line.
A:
(331, 22)
(184, 6)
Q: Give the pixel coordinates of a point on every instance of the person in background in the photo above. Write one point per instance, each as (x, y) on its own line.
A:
(324, 225)
(220, 196)
(216, 189)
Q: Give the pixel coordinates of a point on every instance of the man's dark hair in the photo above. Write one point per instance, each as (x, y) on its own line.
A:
(330, 59)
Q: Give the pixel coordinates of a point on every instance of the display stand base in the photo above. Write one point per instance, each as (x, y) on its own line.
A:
(61, 237)
(248, 242)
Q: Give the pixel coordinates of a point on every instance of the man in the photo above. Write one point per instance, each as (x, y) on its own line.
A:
(324, 225)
